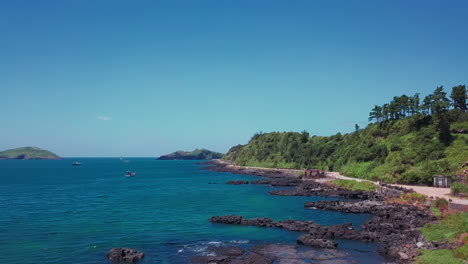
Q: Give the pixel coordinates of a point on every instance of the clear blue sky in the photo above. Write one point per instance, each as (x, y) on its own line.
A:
(143, 78)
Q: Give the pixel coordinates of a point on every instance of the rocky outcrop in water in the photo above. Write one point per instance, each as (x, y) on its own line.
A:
(237, 182)
(311, 241)
(262, 172)
(279, 182)
(126, 255)
(388, 218)
(394, 225)
(312, 188)
(325, 232)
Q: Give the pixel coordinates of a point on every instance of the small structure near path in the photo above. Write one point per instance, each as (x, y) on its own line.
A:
(442, 181)
(313, 174)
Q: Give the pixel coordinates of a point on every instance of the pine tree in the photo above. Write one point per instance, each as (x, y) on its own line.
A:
(459, 97)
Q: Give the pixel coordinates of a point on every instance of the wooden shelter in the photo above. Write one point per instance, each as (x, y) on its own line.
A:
(442, 181)
(313, 174)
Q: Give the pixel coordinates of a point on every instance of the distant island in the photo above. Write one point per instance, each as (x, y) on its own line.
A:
(28, 153)
(197, 154)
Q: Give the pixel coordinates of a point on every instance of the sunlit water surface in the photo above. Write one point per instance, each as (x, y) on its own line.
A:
(53, 212)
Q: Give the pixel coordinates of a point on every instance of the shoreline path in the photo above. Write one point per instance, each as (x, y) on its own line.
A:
(426, 190)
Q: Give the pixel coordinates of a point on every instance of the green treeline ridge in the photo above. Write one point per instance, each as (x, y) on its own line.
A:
(409, 142)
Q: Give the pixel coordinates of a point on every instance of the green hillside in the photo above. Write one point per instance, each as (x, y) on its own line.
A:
(197, 154)
(28, 153)
(409, 142)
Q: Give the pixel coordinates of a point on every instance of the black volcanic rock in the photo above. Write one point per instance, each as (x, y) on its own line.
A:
(228, 219)
(127, 255)
(237, 182)
(311, 241)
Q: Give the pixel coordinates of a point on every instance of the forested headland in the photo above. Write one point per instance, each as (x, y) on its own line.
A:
(409, 140)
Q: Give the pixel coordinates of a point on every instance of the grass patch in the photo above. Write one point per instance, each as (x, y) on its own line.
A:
(461, 252)
(440, 256)
(355, 185)
(436, 212)
(448, 229)
(413, 197)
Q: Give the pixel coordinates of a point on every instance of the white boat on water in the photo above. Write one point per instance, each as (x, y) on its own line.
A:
(130, 174)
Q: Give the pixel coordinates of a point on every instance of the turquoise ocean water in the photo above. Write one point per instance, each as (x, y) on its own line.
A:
(52, 212)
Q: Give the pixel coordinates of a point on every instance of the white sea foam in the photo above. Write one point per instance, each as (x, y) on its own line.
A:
(239, 241)
(199, 249)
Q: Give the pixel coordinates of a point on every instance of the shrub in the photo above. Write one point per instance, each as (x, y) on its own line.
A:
(459, 188)
(413, 197)
(355, 185)
(441, 203)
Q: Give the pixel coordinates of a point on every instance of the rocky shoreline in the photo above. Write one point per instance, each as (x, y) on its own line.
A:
(395, 226)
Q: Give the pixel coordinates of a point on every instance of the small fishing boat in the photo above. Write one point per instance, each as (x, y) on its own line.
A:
(76, 163)
(130, 174)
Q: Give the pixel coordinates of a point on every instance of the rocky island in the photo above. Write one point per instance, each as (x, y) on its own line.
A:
(28, 153)
(197, 154)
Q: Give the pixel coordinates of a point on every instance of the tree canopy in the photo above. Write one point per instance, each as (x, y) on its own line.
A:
(408, 141)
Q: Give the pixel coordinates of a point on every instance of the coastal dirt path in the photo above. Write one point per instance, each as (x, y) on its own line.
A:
(435, 192)
(331, 175)
(426, 190)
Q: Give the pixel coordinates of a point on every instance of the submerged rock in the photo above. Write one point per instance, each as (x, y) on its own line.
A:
(237, 182)
(311, 241)
(219, 255)
(127, 255)
(323, 254)
(276, 250)
(227, 251)
(208, 259)
(252, 258)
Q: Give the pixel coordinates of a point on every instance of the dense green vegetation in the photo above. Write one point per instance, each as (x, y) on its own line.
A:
(459, 189)
(27, 153)
(448, 229)
(197, 154)
(443, 256)
(355, 185)
(409, 142)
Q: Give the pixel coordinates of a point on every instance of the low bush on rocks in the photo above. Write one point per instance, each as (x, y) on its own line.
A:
(413, 197)
(355, 185)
